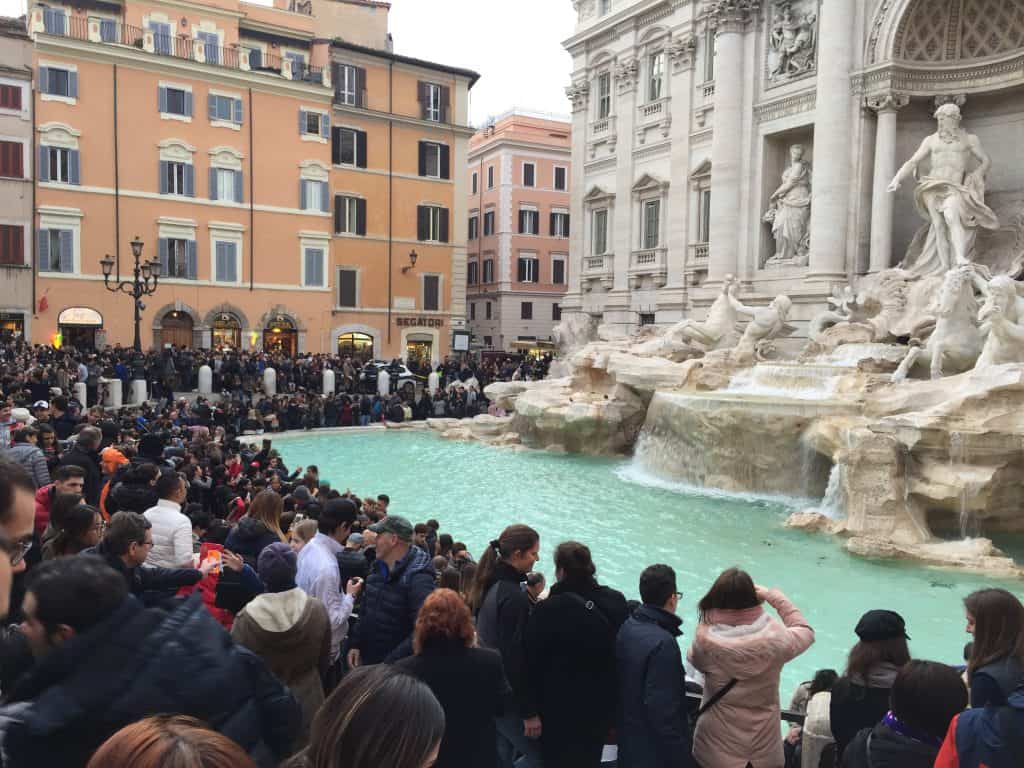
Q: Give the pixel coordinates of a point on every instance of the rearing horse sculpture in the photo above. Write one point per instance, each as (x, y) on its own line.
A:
(956, 341)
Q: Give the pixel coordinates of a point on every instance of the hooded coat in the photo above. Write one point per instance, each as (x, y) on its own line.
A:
(570, 663)
(140, 662)
(501, 625)
(743, 726)
(32, 459)
(291, 632)
(992, 737)
(857, 703)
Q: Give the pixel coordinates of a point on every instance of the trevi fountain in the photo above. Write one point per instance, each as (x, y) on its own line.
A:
(901, 414)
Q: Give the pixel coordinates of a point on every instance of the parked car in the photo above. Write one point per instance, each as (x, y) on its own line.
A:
(370, 372)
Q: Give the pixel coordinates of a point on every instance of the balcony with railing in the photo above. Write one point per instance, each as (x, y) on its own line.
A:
(699, 256)
(653, 111)
(649, 263)
(598, 269)
(109, 32)
(601, 134)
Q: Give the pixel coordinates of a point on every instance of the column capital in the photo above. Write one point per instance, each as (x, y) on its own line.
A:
(888, 101)
(627, 73)
(683, 52)
(578, 93)
(732, 15)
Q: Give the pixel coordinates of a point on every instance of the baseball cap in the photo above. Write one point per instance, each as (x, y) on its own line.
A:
(40, 405)
(356, 539)
(881, 625)
(399, 526)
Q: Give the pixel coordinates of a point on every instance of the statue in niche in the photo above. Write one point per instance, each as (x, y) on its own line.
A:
(790, 212)
(793, 43)
(949, 198)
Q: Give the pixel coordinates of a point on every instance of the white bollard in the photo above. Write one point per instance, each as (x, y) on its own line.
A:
(205, 380)
(138, 392)
(383, 383)
(114, 397)
(433, 382)
(269, 382)
(81, 393)
(328, 381)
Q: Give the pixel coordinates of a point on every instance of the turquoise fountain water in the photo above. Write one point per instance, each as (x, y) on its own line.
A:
(630, 520)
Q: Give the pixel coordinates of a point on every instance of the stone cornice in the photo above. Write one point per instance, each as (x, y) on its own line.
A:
(930, 80)
(790, 105)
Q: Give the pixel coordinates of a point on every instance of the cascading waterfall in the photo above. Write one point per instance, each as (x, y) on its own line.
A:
(958, 456)
(832, 503)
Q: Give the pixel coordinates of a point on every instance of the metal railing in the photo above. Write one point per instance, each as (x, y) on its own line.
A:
(109, 32)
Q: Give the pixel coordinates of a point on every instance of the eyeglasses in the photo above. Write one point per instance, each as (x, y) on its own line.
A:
(16, 550)
(679, 595)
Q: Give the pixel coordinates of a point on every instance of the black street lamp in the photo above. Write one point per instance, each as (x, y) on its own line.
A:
(144, 282)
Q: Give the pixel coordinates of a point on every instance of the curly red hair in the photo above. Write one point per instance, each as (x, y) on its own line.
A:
(443, 620)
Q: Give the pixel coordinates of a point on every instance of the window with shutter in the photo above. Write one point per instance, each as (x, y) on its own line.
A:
(347, 285)
(174, 255)
(225, 108)
(211, 46)
(10, 97)
(604, 95)
(314, 267)
(529, 269)
(559, 224)
(54, 81)
(652, 211)
(12, 163)
(558, 272)
(488, 223)
(431, 293)
(487, 309)
(109, 31)
(490, 177)
(434, 108)
(176, 101)
(472, 311)
(472, 269)
(12, 244)
(488, 271)
(474, 227)
(347, 210)
(161, 37)
(529, 171)
(474, 182)
(704, 216)
(348, 141)
(560, 179)
(59, 164)
(430, 159)
(176, 180)
(226, 262)
(556, 312)
(528, 222)
(526, 310)
(347, 85)
(599, 234)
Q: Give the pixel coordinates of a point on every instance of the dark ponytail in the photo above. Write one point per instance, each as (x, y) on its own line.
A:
(515, 538)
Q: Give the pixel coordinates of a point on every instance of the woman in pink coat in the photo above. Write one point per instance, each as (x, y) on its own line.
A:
(737, 640)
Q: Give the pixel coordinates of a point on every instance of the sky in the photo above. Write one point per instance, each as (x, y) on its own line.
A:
(515, 46)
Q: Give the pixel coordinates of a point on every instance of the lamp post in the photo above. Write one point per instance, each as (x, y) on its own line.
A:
(146, 275)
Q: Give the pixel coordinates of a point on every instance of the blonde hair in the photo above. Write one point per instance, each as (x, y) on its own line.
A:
(267, 508)
(304, 529)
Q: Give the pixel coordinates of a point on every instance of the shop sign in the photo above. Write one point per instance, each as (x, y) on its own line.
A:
(420, 322)
(80, 316)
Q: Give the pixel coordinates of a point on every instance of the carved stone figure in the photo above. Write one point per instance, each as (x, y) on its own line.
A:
(793, 43)
(714, 331)
(1002, 323)
(949, 198)
(766, 323)
(844, 309)
(790, 212)
(955, 342)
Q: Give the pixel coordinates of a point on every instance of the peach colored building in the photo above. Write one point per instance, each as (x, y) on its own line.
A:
(211, 131)
(518, 228)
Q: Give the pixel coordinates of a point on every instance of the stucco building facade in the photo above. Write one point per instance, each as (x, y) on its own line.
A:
(225, 136)
(688, 113)
(16, 165)
(518, 228)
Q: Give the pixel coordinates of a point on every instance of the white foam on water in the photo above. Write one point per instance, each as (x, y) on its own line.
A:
(789, 382)
(832, 502)
(635, 473)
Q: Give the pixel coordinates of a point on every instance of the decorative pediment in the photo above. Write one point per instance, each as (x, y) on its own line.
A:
(176, 150)
(703, 170)
(598, 195)
(59, 135)
(314, 170)
(649, 183)
(226, 157)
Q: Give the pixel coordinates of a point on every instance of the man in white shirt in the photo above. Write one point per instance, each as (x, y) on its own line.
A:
(318, 573)
(172, 531)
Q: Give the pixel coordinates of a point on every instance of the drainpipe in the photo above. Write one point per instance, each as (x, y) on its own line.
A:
(252, 201)
(34, 162)
(391, 197)
(117, 186)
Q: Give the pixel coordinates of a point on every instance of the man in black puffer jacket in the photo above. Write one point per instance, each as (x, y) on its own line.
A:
(401, 580)
(104, 661)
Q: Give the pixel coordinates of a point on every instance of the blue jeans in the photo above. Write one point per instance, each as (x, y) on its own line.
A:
(512, 740)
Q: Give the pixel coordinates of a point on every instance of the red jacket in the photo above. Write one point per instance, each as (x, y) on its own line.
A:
(208, 589)
(44, 499)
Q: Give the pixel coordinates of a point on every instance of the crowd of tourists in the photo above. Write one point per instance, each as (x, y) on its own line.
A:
(176, 595)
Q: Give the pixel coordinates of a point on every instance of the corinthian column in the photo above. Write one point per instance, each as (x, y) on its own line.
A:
(730, 19)
(886, 105)
(830, 202)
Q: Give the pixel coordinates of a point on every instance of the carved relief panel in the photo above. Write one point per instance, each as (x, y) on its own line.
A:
(792, 45)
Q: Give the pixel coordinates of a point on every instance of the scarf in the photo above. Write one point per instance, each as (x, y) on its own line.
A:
(734, 617)
(893, 723)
